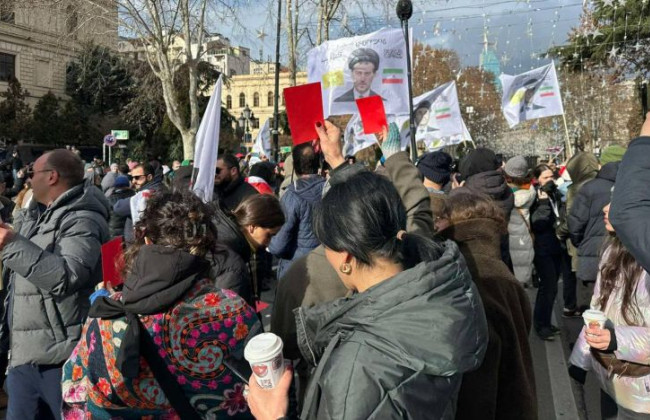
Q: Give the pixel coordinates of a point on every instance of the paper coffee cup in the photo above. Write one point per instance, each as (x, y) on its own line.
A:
(264, 353)
(594, 318)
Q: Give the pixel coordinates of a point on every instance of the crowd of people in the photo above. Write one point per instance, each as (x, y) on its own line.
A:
(400, 290)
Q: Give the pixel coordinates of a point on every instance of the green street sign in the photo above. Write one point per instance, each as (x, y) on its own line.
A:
(285, 149)
(120, 134)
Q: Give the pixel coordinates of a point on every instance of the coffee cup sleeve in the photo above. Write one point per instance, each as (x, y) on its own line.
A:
(613, 345)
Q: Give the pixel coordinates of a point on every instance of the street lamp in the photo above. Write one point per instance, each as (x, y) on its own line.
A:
(404, 12)
(246, 119)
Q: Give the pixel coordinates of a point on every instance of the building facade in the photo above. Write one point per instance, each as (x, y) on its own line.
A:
(38, 41)
(257, 92)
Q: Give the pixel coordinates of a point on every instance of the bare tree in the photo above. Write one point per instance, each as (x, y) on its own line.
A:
(168, 33)
(326, 12)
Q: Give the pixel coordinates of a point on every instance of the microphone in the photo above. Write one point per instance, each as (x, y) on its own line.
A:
(404, 9)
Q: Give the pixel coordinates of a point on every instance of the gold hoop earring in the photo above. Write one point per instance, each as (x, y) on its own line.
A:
(345, 268)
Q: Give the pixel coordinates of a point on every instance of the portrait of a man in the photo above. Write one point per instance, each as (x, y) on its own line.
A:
(363, 64)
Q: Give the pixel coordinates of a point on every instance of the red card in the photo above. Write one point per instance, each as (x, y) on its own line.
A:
(373, 116)
(112, 259)
(304, 109)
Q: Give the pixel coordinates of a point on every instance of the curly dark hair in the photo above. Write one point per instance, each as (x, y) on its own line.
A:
(176, 220)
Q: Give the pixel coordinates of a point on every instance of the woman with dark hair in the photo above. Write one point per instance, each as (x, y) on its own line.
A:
(544, 219)
(619, 354)
(397, 348)
(248, 230)
(157, 349)
(504, 386)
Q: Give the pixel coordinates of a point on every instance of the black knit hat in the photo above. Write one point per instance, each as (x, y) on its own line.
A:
(478, 161)
(436, 167)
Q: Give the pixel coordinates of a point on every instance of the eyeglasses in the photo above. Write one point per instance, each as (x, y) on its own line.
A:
(138, 177)
(218, 170)
(31, 172)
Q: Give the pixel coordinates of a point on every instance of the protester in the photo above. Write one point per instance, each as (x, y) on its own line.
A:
(481, 172)
(261, 176)
(630, 211)
(52, 262)
(296, 238)
(143, 180)
(311, 280)
(289, 175)
(544, 219)
(436, 170)
(16, 163)
(6, 205)
(618, 354)
(248, 232)
(108, 181)
(167, 284)
(381, 339)
(582, 167)
(120, 190)
(229, 185)
(585, 221)
(504, 386)
(19, 183)
(519, 230)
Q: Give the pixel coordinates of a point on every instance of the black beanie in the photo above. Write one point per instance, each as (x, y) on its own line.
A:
(478, 161)
(436, 167)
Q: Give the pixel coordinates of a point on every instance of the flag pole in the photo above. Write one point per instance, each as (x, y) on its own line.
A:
(568, 139)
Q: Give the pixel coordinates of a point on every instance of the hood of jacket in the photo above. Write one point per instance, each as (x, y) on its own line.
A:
(609, 171)
(161, 275)
(78, 198)
(492, 183)
(393, 315)
(309, 188)
(475, 236)
(582, 167)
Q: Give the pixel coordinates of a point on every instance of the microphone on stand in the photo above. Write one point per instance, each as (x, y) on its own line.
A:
(404, 9)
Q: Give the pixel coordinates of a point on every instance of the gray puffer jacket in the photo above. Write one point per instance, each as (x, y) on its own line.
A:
(53, 265)
(521, 241)
(397, 350)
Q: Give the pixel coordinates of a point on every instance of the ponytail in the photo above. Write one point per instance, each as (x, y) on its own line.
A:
(414, 248)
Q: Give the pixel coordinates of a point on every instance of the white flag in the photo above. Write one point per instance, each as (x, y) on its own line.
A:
(361, 66)
(262, 144)
(207, 146)
(437, 117)
(531, 95)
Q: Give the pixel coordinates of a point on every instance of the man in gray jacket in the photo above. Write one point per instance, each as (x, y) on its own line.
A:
(52, 263)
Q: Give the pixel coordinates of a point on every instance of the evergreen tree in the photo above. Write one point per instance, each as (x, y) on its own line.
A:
(46, 120)
(14, 113)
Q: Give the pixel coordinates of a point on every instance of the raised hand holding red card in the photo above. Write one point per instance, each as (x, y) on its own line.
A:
(304, 105)
(373, 115)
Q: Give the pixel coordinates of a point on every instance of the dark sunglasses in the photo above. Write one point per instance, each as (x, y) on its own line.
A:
(218, 170)
(137, 177)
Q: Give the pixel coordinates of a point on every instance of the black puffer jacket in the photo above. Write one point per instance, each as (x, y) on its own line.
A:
(544, 219)
(116, 222)
(585, 220)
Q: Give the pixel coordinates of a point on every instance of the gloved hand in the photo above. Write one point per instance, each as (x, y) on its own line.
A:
(392, 141)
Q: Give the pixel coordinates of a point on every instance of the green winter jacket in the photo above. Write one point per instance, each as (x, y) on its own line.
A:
(53, 265)
(397, 350)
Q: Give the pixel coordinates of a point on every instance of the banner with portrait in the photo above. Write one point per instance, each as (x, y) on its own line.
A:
(531, 95)
(361, 66)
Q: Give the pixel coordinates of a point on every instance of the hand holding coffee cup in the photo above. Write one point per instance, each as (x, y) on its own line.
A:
(264, 353)
(597, 335)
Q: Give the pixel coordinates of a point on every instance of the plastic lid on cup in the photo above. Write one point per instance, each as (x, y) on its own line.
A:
(263, 347)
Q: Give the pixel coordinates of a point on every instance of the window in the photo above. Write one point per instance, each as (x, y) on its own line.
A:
(7, 13)
(269, 99)
(42, 73)
(242, 100)
(228, 102)
(233, 72)
(7, 67)
(255, 123)
(256, 99)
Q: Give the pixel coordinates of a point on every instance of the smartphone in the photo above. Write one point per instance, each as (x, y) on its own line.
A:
(644, 99)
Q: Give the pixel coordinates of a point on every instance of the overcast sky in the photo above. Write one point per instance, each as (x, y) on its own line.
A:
(520, 30)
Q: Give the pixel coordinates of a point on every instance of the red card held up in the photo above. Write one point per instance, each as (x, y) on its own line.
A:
(304, 109)
(373, 116)
(112, 259)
